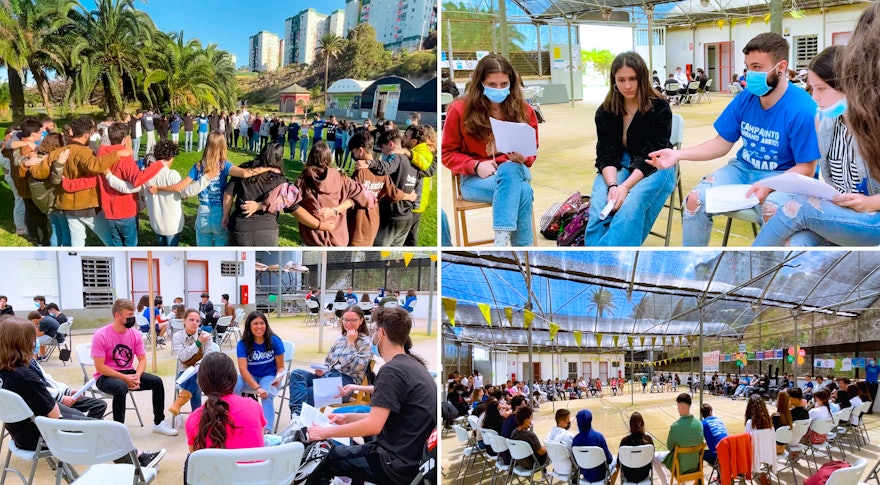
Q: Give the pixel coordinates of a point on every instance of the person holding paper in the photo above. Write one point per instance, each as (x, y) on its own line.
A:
(348, 359)
(775, 123)
(850, 218)
(403, 413)
(469, 149)
(261, 363)
(633, 121)
(189, 346)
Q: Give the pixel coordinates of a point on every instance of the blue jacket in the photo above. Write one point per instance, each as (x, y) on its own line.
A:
(587, 436)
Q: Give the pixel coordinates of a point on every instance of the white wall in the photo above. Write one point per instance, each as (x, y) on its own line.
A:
(556, 364)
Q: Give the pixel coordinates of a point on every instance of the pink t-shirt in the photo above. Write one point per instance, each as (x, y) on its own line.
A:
(117, 349)
(247, 426)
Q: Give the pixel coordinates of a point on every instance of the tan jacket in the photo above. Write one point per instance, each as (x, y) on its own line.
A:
(81, 163)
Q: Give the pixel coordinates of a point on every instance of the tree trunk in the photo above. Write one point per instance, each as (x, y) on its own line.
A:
(326, 74)
(109, 100)
(43, 89)
(16, 94)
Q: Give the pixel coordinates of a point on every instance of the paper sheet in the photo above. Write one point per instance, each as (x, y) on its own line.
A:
(325, 389)
(514, 137)
(85, 387)
(795, 183)
(186, 374)
(728, 198)
(320, 367)
(309, 416)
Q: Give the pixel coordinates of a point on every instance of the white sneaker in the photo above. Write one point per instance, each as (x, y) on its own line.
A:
(164, 428)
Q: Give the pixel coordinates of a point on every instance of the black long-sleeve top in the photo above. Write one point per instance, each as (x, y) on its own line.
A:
(647, 133)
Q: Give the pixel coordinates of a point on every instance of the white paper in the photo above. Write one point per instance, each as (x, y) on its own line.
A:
(309, 416)
(320, 367)
(729, 198)
(607, 210)
(514, 137)
(84, 388)
(186, 374)
(795, 183)
(325, 389)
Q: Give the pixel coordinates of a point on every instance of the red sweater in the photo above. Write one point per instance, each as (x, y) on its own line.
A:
(461, 151)
(117, 205)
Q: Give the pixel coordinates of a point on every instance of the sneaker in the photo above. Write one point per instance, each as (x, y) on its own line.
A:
(160, 340)
(21, 231)
(151, 458)
(164, 428)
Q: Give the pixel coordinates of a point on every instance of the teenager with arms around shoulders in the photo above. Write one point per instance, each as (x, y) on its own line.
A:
(633, 121)
(469, 149)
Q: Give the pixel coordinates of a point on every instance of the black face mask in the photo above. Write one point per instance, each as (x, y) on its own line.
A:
(129, 322)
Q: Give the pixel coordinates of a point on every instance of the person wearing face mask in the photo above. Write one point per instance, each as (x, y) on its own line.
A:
(778, 131)
(633, 121)
(561, 434)
(114, 349)
(850, 218)
(502, 179)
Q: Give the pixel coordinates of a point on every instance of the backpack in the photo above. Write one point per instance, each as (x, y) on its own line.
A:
(428, 464)
(315, 453)
(573, 227)
(552, 217)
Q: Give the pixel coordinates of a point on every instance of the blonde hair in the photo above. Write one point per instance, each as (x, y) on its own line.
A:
(214, 155)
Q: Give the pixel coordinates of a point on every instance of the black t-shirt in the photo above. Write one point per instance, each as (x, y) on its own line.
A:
(799, 413)
(7, 311)
(187, 122)
(61, 318)
(293, 131)
(331, 131)
(636, 475)
(25, 382)
(49, 326)
(533, 441)
(404, 387)
(255, 188)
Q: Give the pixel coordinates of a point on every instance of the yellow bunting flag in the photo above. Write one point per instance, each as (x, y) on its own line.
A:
(508, 312)
(629, 340)
(598, 339)
(449, 307)
(433, 258)
(385, 254)
(749, 21)
(614, 339)
(577, 337)
(486, 311)
(407, 257)
(528, 316)
(553, 329)
(653, 341)
(691, 339)
(642, 340)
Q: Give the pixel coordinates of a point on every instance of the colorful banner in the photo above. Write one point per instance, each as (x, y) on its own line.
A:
(768, 354)
(759, 355)
(449, 307)
(653, 341)
(710, 361)
(858, 362)
(629, 339)
(486, 311)
(777, 354)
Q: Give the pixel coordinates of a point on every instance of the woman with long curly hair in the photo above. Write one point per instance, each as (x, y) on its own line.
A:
(501, 179)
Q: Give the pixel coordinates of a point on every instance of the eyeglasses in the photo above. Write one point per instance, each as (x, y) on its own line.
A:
(355, 320)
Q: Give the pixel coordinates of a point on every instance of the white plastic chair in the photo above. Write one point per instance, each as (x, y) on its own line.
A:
(825, 427)
(367, 307)
(843, 430)
(764, 451)
(489, 435)
(314, 311)
(284, 385)
(391, 304)
(499, 445)
(561, 460)
(470, 451)
(783, 435)
(175, 325)
(84, 356)
(588, 457)
(12, 410)
(848, 476)
(93, 443)
(220, 337)
(520, 450)
(255, 466)
(635, 457)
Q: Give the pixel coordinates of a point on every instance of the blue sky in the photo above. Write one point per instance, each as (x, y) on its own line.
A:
(224, 22)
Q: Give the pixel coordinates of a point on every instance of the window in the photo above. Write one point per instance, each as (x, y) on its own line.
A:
(97, 280)
(573, 370)
(806, 47)
(231, 268)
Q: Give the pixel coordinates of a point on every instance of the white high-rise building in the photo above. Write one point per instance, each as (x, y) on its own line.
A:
(399, 24)
(352, 15)
(265, 52)
(303, 30)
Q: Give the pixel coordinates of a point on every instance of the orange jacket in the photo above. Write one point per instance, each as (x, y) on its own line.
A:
(735, 457)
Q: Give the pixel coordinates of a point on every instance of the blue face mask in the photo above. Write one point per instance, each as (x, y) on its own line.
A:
(756, 82)
(408, 122)
(833, 111)
(496, 95)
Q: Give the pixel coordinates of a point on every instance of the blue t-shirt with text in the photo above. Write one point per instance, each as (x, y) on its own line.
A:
(318, 129)
(774, 139)
(213, 193)
(203, 125)
(261, 363)
(871, 373)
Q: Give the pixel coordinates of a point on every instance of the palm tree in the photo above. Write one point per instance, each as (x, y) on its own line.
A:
(182, 72)
(329, 45)
(602, 300)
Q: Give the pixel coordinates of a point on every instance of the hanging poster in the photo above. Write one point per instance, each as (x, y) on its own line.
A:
(710, 361)
(858, 362)
(777, 353)
(847, 364)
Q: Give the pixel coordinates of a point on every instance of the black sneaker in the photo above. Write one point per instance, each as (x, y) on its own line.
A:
(151, 458)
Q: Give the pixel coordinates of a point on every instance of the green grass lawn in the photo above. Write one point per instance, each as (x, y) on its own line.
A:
(288, 232)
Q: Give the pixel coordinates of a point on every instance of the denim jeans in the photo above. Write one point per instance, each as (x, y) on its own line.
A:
(630, 225)
(301, 390)
(136, 147)
(60, 229)
(697, 225)
(292, 144)
(151, 141)
(445, 233)
(18, 207)
(203, 139)
(209, 231)
(255, 142)
(802, 220)
(267, 404)
(168, 240)
(78, 225)
(303, 149)
(511, 196)
(188, 140)
(123, 232)
(192, 385)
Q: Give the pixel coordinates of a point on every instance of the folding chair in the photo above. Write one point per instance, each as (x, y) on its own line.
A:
(636, 457)
(470, 450)
(691, 94)
(367, 308)
(520, 450)
(84, 356)
(499, 446)
(63, 331)
(561, 460)
(764, 452)
(681, 476)
(673, 88)
(783, 435)
(175, 325)
(94, 443)
(588, 457)
(843, 430)
(675, 139)
(284, 385)
(863, 430)
(848, 476)
(824, 427)
(221, 329)
(391, 304)
(12, 410)
(704, 92)
(747, 215)
(460, 206)
(489, 435)
(272, 464)
(314, 311)
(140, 321)
(735, 88)
(339, 308)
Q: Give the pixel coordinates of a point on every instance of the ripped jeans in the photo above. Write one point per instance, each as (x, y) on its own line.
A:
(800, 220)
(510, 192)
(697, 225)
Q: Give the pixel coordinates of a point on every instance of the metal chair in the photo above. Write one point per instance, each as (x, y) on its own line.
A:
(93, 443)
(675, 139)
(222, 324)
(704, 92)
(671, 91)
(314, 311)
(692, 93)
(84, 356)
(589, 457)
(635, 457)
(13, 409)
(823, 427)
(63, 331)
(748, 215)
(284, 385)
(272, 464)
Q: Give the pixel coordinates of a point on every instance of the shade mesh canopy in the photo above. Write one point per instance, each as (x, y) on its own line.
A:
(655, 293)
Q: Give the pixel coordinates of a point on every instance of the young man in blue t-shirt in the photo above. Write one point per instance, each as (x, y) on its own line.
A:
(203, 131)
(777, 125)
(318, 129)
(871, 373)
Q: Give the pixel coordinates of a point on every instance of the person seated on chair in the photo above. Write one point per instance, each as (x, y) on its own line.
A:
(63, 394)
(161, 325)
(636, 437)
(702, 77)
(403, 413)
(226, 420)
(686, 432)
(632, 122)
(228, 308)
(348, 358)
(378, 300)
(782, 417)
(456, 397)
(365, 298)
(808, 387)
(587, 436)
(261, 363)
(713, 431)
(190, 345)
(390, 297)
(670, 79)
(47, 328)
(208, 312)
(560, 433)
(410, 300)
(55, 313)
(523, 432)
(114, 348)
(178, 308)
(655, 81)
(5, 308)
(350, 297)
